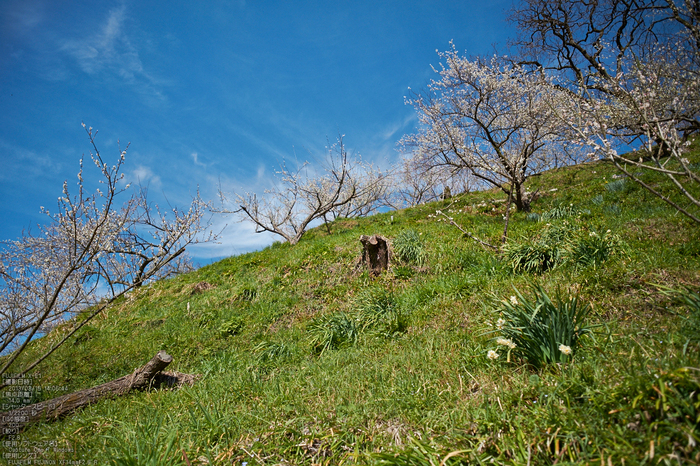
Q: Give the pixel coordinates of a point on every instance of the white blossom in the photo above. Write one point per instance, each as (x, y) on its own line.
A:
(505, 342)
(94, 249)
(345, 187)
(500, 323)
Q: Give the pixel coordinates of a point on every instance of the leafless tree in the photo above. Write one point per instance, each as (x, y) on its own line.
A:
(593, 40)
(344, 187)
(92, 251)
(633, 69)
(417, 183)
(371, 187)
(491, 118)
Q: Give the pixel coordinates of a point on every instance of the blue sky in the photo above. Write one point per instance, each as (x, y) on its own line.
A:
(213, 91)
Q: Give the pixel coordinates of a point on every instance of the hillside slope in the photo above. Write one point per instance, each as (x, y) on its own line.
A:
(306, 359)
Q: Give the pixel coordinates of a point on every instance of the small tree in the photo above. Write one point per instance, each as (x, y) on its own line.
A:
(490, 118)
(91, 252)
(346, 187)
(372, 187)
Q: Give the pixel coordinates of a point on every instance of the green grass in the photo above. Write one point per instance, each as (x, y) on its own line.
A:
(409, 248)
(306, 359)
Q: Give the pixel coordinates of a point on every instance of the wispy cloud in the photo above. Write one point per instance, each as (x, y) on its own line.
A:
(195, 157)
(236, 238)
(110, 52)
(100, 51)
(391, 130)
(23, 16)
(25, 163)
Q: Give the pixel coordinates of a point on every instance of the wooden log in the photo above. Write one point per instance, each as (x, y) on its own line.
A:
(375, 254)
(12, 422)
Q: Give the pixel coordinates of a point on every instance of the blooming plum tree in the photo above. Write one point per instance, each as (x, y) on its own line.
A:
(633, 69)
(646, 108)
(417, 182)
(91, 252)
(491, 118)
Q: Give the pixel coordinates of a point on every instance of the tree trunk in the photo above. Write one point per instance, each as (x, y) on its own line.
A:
(522, 201)
(12, 422)
(375, 254)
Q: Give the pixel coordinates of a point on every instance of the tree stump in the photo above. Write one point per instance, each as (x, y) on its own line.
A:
(375, 253)
(446, 194)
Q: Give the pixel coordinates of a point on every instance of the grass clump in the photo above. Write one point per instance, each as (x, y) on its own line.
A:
(595, 248)
(409, 248)
(616, 186)
(539, 330)
(533, 217)
(231, 327)
(541, 254)
(269, 352)
(561, 244)
(332, 332)
(558, 212)
(247, 293)
(378, 310)
(536, 257)
(690, 299)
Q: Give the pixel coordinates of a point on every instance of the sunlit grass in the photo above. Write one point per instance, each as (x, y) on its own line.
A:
(306, 359)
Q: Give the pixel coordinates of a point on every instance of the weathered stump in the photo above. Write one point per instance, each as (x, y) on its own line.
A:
(11, 422)
(375, 254)
(446, 194)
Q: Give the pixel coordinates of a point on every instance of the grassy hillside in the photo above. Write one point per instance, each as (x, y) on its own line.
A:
(306, 359)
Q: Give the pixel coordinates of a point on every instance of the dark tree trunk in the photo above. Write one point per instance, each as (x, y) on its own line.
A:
(375, 254)
(12, 422)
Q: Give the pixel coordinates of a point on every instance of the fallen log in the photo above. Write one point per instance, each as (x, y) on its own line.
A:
(12, 422)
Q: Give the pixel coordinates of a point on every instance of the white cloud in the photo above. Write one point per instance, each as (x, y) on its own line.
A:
(236, 238)
(143, 176)
(195, 157)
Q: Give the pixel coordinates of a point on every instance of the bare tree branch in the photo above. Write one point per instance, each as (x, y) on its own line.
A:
(91, 252)
(345, 187)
